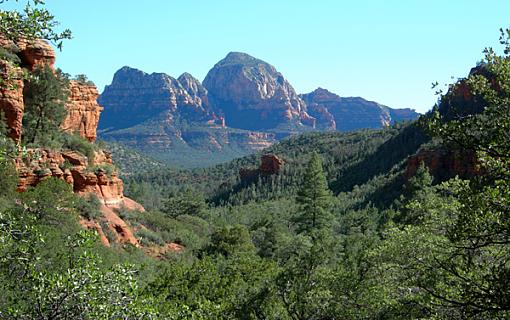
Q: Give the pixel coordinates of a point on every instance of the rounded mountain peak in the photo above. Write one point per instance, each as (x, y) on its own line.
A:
(241, 58)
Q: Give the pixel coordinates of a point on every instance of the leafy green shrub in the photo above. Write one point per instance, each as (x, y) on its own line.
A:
(9, 55)
(107, 168)
(82, 78)
(77, 143)
(148, 237)
(88, 206)
(126, 214)
(50, 199)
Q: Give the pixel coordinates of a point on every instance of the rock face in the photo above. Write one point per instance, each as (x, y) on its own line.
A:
(345, 114)
(444, 164)
(75, 169)
(269, 164)
(36, 53)
(251, 94)
(135, 96)
(33, 54)
(82, 107)
(82, 110)
(11, 99)
(95, 176)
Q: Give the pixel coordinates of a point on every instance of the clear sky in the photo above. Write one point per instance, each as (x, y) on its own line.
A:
(388, 51)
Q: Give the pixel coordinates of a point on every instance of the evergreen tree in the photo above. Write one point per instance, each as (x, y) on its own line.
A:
(45, 95)
(314, 198)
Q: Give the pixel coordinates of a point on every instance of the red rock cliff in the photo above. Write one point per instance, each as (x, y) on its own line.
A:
(82, 110)
(11, 98)
(96, 177)
(87, 176)
(444, 164)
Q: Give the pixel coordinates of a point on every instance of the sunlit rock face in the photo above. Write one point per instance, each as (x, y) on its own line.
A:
(135, 96)
(251, 94)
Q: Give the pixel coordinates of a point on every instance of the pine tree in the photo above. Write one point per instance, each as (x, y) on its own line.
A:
(314, 198)
(45, 96)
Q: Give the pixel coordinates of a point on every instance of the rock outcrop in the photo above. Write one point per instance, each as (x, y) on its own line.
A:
(344, 114)
(82, 110)
(37, 53)
(82, 107)
(270, 164)
(251, 94)
(97, 177)
(444, 164)
(33, 53)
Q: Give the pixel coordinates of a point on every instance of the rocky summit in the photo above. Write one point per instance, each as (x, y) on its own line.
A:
(251, 94)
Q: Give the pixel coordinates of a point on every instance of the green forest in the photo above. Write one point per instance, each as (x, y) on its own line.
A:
(340, 231)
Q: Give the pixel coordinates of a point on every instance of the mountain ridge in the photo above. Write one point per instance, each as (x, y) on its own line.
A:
(243, 104)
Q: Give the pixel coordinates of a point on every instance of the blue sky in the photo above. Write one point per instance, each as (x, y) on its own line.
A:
(388, 51)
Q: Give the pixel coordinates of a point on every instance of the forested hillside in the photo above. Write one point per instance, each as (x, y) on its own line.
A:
(405, 222)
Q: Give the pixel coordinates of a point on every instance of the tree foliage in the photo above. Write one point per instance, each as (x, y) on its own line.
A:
(45, 96)
(33, 22)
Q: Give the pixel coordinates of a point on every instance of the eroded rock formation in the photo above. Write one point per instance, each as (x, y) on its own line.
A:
(82, 110)
(269, 164)
(95, 176)
(37, 53)
(135, 96)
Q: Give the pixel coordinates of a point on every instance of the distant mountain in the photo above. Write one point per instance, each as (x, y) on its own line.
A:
(135, 96)
(251, 94)
(243, 105)
(345, 114)
(171, 120)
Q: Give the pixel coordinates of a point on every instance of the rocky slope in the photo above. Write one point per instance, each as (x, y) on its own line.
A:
(345, 114)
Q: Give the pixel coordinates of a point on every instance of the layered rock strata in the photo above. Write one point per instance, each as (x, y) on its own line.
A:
(83, 111)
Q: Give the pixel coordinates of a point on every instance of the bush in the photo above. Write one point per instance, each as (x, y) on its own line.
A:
(88, 206)
(76, 143)
(148, 237)
(9, 55)
(109, 169)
